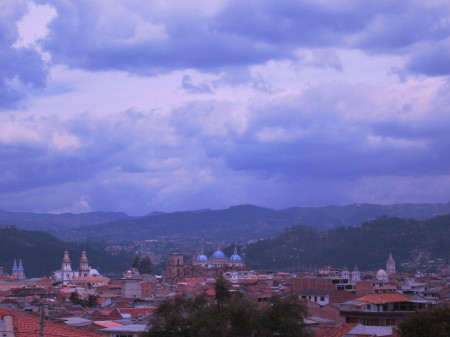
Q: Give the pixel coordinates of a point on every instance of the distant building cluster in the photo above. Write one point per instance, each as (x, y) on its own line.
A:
(202, 266)
(66, 273)
(340, 302)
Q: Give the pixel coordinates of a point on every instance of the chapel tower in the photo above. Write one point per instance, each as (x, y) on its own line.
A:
(84, 265)
(390, 265)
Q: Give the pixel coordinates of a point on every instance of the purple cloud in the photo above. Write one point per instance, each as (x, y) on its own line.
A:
(21, 68)
(211, 104)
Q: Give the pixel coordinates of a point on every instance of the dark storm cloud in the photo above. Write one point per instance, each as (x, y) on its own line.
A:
(191, 42)
(404, 24)
(297, 23)
(21, 68)
(432, 60)
(242, 33)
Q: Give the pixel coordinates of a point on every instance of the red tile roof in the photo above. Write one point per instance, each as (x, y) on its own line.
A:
(108, 324)
(383, 298)
(91, 279)
(27, 325)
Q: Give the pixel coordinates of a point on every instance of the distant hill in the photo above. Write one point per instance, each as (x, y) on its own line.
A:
(42, 253)
(56, 223)
(368, 246)
(248, 222)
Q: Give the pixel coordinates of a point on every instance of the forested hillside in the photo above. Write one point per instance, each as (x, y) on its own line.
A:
(41, 253)
(368, 246)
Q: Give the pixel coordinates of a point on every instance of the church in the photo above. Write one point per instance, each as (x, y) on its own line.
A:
(201, 265)
(66, 274)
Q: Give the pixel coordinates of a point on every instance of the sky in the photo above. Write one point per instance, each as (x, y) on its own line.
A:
(168, 105)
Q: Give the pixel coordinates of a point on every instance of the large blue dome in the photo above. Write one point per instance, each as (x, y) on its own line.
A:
(218, 254)
(202, 257)
(235, 257)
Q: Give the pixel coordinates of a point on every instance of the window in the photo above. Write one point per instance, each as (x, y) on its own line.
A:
(322, 298)
(124, 335)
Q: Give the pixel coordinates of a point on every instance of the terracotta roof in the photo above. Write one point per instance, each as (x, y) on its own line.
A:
(107, 324)
(134, 312)
(383, 298)
(11, 287)
(91, 279)
(27, 325)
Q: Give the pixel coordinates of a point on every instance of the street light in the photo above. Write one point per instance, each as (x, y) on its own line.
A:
(41, 321)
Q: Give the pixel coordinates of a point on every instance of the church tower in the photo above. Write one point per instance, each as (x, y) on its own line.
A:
(66, 269)
(345, 272)
(390, 265)
(84, 265)
(66, 262)
(356, 274)
(175, 267)
(18, 271)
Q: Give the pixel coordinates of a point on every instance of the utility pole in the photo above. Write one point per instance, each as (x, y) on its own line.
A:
(41, 320)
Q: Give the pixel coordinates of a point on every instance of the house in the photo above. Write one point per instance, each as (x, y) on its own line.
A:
(14, 324)
(382, 309)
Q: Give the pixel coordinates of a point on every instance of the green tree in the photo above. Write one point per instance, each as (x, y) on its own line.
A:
(145, 265)
(173, 318)
(135, 262)
(91, 301)
(283, 317)
(230, 315)
(434, 322)
(222, 290)
(244, 316)
(74, 298)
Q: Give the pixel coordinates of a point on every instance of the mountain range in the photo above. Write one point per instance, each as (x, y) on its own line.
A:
(246, 222)
(238, 223)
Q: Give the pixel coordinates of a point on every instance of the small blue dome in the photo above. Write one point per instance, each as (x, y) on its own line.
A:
(218, 254)
(202, 257)
(235, 257)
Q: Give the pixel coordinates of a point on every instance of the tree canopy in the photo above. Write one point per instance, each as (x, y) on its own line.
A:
(230, 314)
(425, 323)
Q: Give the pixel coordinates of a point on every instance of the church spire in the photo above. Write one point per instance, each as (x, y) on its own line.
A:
(390, 265)
(66, 262)
(84, 264)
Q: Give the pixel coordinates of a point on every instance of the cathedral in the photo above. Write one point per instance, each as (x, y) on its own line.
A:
(66, 274)
(18, 272)
(201, 265)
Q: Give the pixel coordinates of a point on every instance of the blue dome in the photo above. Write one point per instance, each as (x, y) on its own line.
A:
(235, 257)
(202, 257)
(218, 254)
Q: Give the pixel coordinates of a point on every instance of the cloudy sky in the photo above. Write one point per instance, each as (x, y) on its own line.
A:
(168, 105)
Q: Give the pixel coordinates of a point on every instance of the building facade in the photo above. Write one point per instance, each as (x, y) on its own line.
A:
(201, 265)
(66, 273)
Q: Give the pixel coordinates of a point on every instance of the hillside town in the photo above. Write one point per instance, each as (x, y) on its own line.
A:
(80, 301)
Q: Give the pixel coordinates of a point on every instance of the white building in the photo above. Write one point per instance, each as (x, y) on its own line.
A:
(66, 274)
(390, 265)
